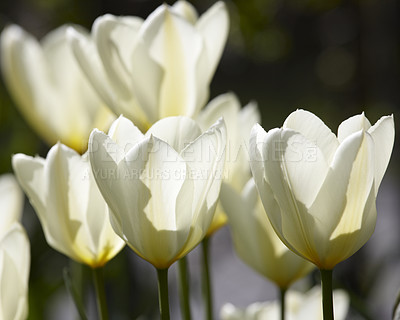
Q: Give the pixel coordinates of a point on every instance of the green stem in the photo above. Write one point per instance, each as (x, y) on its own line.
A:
(98, 280)
(283, 306)
(184, 288)
(327, 299)
(206, 279)
(74, 293)
(162, 275)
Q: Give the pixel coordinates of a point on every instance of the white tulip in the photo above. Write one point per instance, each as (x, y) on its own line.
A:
(159, 67)
(161, 187)
(14, 252)
(49, 88)
(71, 210)
(319, 190)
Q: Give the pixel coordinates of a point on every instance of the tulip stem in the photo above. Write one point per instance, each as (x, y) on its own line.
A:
(184, 288)
(327, 298)
(207, 294)
(282, 292)
(74, 293)
(98, 280)
(162, 275)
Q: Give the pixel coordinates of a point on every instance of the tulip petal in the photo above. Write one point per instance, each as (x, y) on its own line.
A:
(88, 58)
(116, 38)
(175, 46)
(125, 133)
(352, 125)
(288, 172)
(86, 55)
(257, 137)
(383, 134)
(225, 105)
(205, 158)
(255, 240)
(343, 196)
(11, 200)
(30, 174)
(213, 25)
(185, 130)
(18, 50)
(14, 273)
(185, 10)
(312, 127)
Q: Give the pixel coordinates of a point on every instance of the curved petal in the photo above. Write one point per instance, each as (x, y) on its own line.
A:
(287, 172)
(30, 175)
(88, 59)
(213, 26)
(115, 38)
(225, 105)
(352, 125)
(77, 107)
(11, 202)
(255, 240)
(25, 80)
(257, 137)
(125, 133)
(178, 132)
(312, 127)
(205, 158)
(383, 134)
(185, 10)
(175, 46)
(14, 273)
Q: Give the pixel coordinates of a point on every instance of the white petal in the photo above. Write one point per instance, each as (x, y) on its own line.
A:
(175, 46)
(116, 38)
(205, 158)
(345, 169)
(294, 180)
(185, 10)
(88, 59)
(26, 81)
(312, 127)
(383, 134)
(30, 174)
(11, 202)
(213, 25)
(125, 133)
(14, 272)
(178, 132)
(225, 105)
(62, 218)
(351, 125)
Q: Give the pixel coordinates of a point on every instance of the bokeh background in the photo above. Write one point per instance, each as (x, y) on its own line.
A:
(335, 58)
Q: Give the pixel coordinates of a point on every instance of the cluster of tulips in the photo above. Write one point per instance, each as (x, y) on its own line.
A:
(172, 168)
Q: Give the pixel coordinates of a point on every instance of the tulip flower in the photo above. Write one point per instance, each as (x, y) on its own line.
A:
(301, 306)
(49, 88)
(14, 252)
(239, 122)
(162, 187)
(159, 67)
(71, 209)
(255, 240)
(319, 190)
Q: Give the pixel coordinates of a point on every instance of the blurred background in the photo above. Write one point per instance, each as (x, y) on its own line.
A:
(335, 58)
